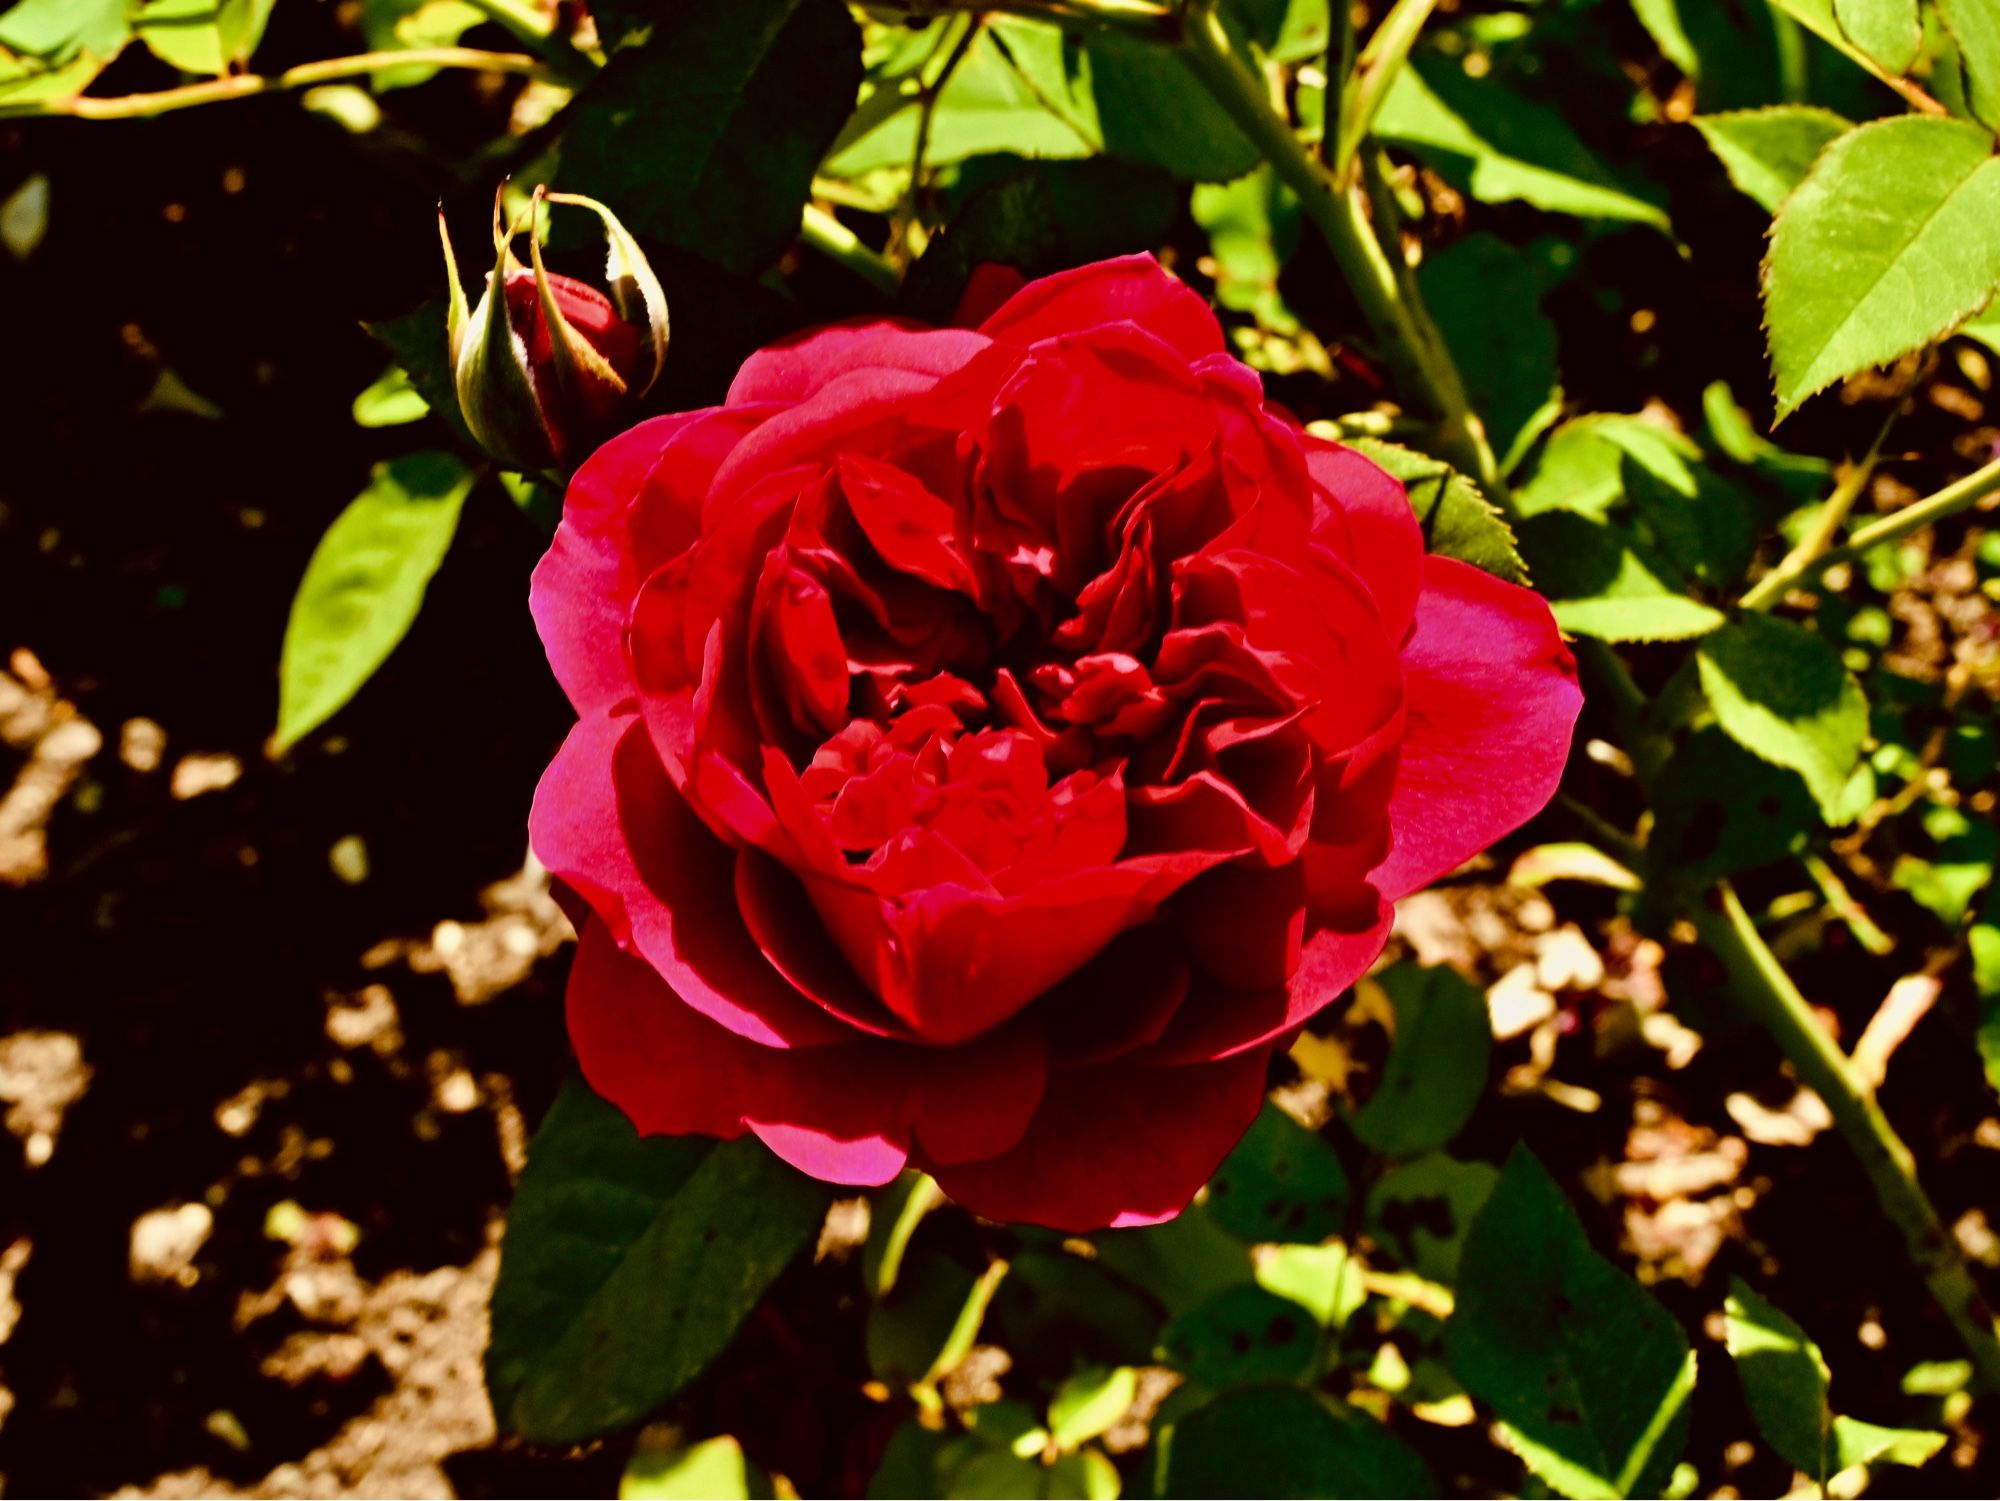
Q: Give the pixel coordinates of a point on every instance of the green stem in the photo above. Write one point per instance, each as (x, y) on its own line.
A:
(1960, 495)
(1140, 16)
(1768, 994)
(1381, 60)
(305, 75)
(837, 242)
(1826, 522)
(1338, 211)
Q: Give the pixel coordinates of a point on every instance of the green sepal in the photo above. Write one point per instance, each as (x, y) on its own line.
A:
(635, 291)
(585, 382)
(496, 394)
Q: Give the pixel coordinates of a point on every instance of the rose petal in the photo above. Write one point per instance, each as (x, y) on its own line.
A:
(798, 368)
(1114, 1145)
(1492, 700)
(1378, 529)
(973, 1102)
(1131, 288)
(607, 820)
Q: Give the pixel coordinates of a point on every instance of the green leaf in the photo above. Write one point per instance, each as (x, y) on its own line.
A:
(1501, 148)
(56, 31)
(1601, 581)
(1182, 1263)
(1253, 227)
(1458, 522)
(1887, 245)
(1717, 810)
(417, 342)
(628, 1266)
(1768, 151)
(1975, 26)
(986, 105)
(706, 134)
(1436, 1070)
(1281, 1183)
(1784, 1380)
(390, 401)
(1280, 1441)
(1039, 217)
(1242, 1335)
(893, 1219)
(925, 1326)
(716, 1470)
(1153, 109)
(1887, 30)
(1781, 692)
(1589, 1375)
(364, 584)
(202, 36)
(1051, 1300)
(1422, 1210)
(397, 25)
(1984, 941)
(1323, 1280)
(1509, 364)
(1089, 1402)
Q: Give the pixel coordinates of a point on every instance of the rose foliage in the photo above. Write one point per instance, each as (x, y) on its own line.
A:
(995, 741)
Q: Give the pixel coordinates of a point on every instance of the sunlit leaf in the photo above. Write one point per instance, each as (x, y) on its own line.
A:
(1436, 1069)
(1768, 151)
(1781, 692)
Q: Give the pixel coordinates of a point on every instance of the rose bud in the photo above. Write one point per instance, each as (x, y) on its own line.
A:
(551, 365)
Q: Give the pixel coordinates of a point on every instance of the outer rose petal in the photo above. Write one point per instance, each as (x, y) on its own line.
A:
(1130, 289)
(607, 821)
(1115, 1145)
(674, 1072)
(585, 582)
(799, 367)
(1383, 542)
(1492, 699)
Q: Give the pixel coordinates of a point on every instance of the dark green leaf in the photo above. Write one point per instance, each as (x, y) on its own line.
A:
(1781, 692)
(1589, 1375)
(1601, 581)
(1153, 109)
(364, 584)
(1768, 151)
(1053, 1301)
(1282, 1183)
(1242, 1335)
(1280, 1441)
(1422, 1210)
(1039, 217)
(1885, 246)
(628, 1266)
(1509, 364)
(1717, 810)
(1183, 1263)
(706, 134)
(1458, 521)
(1437, 1065)
(419, 345)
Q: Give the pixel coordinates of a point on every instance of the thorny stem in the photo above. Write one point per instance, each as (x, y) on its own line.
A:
(1767, 993)
(305, 75)
(1383, 58)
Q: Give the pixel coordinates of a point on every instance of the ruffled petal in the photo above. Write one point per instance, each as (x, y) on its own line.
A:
(1375, 527)
(798, 368)
(1492, 700)
(608, 821)
(1115, 1146)
(1130, 289)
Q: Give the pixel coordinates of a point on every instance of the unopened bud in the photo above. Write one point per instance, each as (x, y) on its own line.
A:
(548, 366)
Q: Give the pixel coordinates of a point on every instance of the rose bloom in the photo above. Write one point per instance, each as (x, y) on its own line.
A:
(995, 742)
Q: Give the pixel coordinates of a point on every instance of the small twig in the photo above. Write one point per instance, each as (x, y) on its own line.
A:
(927, 104)
(1381, 60)
(305, 75)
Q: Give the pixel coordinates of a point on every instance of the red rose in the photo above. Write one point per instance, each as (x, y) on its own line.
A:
(995, 742)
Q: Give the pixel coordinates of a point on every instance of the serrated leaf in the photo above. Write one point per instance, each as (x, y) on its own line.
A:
(1887, 30)
(1281, 1183)
(705, 135)
(1436, 1070)
(1458, 522)
(1589, 1375)
(364, 584)
(1601, 582)
(1280, 1441)
(1501, 147)
(1887, 245)
(1782, 693)
(1767, 152)
(628, 1265)
(1975, 26)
